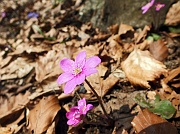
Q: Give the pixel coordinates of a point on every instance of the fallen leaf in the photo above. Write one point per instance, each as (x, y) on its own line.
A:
(43, 114)
(142, 34)
(17, 69)
(159, 50)
(12, 108)
(123, 29)
(171, 75)
(48, 65)
(148, 123)
(140, 67)
(173, 15)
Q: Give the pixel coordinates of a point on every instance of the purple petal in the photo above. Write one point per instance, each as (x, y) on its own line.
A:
(82, 102)
(67, 65)
(64, 77)
(89, 107)
(80, 78)
(70, 122)
(69, 115)
(70, 85)
(80, 58)
(89, 71)
(92, 62)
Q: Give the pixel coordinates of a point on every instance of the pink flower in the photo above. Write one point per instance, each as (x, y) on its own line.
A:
(76, 71)
(83, 108)
(74, 116)
(147, 6)
(159, 6)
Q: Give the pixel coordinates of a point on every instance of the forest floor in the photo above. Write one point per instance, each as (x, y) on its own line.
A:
(138, 78)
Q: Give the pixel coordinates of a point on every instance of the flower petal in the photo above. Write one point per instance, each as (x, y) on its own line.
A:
(67, 65)
(70, 85)
(80, 78)
(70, 122)
(80, 58)
(92, 62)
(89, 107)
(89, 71)
(64, 77)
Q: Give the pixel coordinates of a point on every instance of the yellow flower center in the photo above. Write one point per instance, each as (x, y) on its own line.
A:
(76, 71)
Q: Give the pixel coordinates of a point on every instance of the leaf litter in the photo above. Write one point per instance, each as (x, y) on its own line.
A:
(30, 98)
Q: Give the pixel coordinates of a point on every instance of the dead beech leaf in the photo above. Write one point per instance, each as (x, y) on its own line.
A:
(159, 50)
(123, 29)
(17, 69)
(48, 65)
(41, 117)
(173, 15)
(140, 67)
(12, 108)
(172, 74)
(148, 123)
(141, 35)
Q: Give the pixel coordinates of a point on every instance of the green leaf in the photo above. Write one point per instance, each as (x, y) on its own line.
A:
(140, 100)
(156, 36)
(163, 108)
(150, 38)
(36, 28)
(174, 29)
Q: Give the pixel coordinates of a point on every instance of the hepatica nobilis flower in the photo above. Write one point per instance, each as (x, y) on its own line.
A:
(76, 71)
(159, 6)
(147, 6)
(74, 116)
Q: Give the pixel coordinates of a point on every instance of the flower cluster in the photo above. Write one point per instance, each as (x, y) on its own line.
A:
(76, 71)
(74, 116)
(158, 6)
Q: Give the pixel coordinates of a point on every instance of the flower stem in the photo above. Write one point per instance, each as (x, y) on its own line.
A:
(100, 101)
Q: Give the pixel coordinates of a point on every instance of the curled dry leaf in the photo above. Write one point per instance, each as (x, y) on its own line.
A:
(159, 50)
(17, 69)
(123, 29)
(142, 34)
(41, 117)
(173, 15)
(48, 65)
(140, 67)
(12, 108)
(148, 123)
(171, 77)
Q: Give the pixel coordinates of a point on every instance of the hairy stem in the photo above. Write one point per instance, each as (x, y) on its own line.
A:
(99, 100)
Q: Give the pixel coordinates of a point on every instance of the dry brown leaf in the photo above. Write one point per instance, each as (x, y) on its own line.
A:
(140, 67)
(172, 74)
(159, 50)
(48, 65)
(12, 108)
(17, 69)
(101, 86)
(166, 93)
(173, 15)
(6, 130)
(141, 35)
(43, 114)
(148, 123)
(114, 49)
(123, 29)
